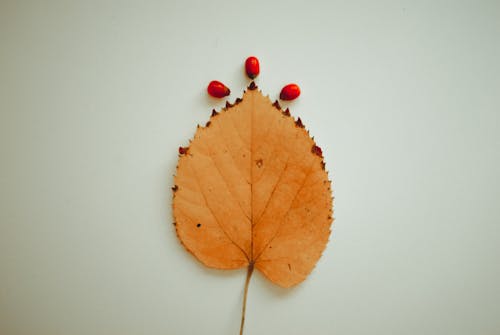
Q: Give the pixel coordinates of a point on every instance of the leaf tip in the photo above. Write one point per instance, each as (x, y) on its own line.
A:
(299, 123)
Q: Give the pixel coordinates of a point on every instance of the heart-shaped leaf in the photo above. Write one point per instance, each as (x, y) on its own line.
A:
(252, 191)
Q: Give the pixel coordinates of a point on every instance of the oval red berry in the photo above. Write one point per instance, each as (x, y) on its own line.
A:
(217, 89)
(252, 67)
(290, 92)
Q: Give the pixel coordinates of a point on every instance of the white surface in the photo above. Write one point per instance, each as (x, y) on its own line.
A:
(96, 97)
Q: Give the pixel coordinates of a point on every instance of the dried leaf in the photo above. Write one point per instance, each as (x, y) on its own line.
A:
(251, 191)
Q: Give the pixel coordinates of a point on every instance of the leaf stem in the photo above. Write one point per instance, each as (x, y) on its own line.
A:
(247, 281)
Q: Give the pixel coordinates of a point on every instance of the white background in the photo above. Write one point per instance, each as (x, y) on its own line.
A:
(96, 97)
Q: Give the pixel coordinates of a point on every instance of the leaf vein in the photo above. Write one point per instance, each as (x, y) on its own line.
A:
(287, 212)
(274, 189)
(226, 183)
(215, 217)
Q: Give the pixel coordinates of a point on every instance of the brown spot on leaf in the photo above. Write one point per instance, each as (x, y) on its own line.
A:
(317, 150)
(183, 150)
(252, 86)
(286, 112)
(214, 112)
(175, 188)
(277, 104)
(208, 124)
(259, 163)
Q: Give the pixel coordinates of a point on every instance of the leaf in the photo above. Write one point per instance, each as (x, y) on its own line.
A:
(251, 191)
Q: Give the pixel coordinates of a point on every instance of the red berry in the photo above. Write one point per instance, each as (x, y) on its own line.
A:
(217, 89)
(290, 92)
(252, 67)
